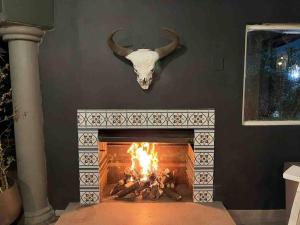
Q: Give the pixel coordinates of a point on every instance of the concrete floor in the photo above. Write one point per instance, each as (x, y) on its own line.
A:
(127, 213)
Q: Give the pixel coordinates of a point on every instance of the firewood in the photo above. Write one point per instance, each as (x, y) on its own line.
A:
(155, 191)
(121, 182)
(128, 190)
(145, 193)
(172, 194)
(170, 185)
(130, 196)
(131, 175)
(117, 188)
(167, 179)
(127, 172)
(166, 172)
(133, 188)
(143, 185)
(170, 177)
(129, 183)
(152, 177)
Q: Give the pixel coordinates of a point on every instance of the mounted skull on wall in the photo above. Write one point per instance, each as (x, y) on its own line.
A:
(144, 60)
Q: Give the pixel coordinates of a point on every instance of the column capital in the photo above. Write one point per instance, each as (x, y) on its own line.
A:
(26, 33)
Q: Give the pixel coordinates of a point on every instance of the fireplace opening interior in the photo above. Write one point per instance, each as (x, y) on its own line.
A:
(146, 165)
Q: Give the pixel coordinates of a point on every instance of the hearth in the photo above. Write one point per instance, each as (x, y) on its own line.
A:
(146, 155)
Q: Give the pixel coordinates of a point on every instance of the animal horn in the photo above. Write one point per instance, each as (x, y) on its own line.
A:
(168, 49)
(117, 49)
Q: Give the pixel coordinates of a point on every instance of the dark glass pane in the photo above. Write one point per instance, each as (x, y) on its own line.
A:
(272, 82)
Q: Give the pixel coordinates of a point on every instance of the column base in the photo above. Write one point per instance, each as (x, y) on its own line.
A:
(40, 217)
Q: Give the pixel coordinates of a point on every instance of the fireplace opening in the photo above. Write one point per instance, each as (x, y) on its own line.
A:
(146, 165)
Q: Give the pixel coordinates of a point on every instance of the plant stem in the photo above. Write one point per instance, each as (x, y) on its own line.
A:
(7, 118)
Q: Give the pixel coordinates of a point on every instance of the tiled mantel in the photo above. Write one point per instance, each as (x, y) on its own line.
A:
(202, 121)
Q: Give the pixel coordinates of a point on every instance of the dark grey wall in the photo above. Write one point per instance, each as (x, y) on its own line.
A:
(79, 71)
(28, 12)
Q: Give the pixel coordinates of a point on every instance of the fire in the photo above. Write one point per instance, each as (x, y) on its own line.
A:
(145, 156)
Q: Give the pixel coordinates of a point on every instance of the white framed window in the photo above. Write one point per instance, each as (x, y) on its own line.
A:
(271, 92)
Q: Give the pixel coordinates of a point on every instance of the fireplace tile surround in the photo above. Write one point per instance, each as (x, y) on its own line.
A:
(91, 121)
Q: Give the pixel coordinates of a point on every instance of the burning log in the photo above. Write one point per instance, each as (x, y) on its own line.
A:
(143, 185)
(167, 179)
(118, 187)
(145, 193)
(131, 196)
(155, 192)
(172, 194)
(131, 175)
(131, 187)
(168, 185)
(127, 190)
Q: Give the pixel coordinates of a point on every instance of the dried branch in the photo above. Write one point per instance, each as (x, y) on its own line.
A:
(5, 117)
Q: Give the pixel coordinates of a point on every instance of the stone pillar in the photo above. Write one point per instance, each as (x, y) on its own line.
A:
(23, 43)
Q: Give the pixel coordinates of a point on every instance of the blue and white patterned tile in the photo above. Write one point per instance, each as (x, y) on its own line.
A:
(197, 118)
(87, 139)
(96, 119)
(157, 119)
(211, 116)
(117, 119)
(88, 159)
(204, 138)
(89, 196)
(89, 178)
(203, 195)
(204, 177)
(204, 158)
(137, 119)
(178, 118)
(81, 119)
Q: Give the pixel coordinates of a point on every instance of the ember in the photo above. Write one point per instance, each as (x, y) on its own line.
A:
(142, 180)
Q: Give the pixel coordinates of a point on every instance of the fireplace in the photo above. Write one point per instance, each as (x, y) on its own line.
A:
(181, 143)
(146, 164)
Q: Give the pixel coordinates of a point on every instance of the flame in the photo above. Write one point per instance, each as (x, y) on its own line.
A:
(145, 155)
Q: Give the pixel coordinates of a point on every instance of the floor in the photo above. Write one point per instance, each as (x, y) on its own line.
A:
(241, 217)
(127, 213)
(20, 221)
(259, 217)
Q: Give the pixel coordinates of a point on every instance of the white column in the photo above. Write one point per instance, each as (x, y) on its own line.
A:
(23, 43)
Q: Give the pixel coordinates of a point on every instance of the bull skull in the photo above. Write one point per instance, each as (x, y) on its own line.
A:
(144, 60)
